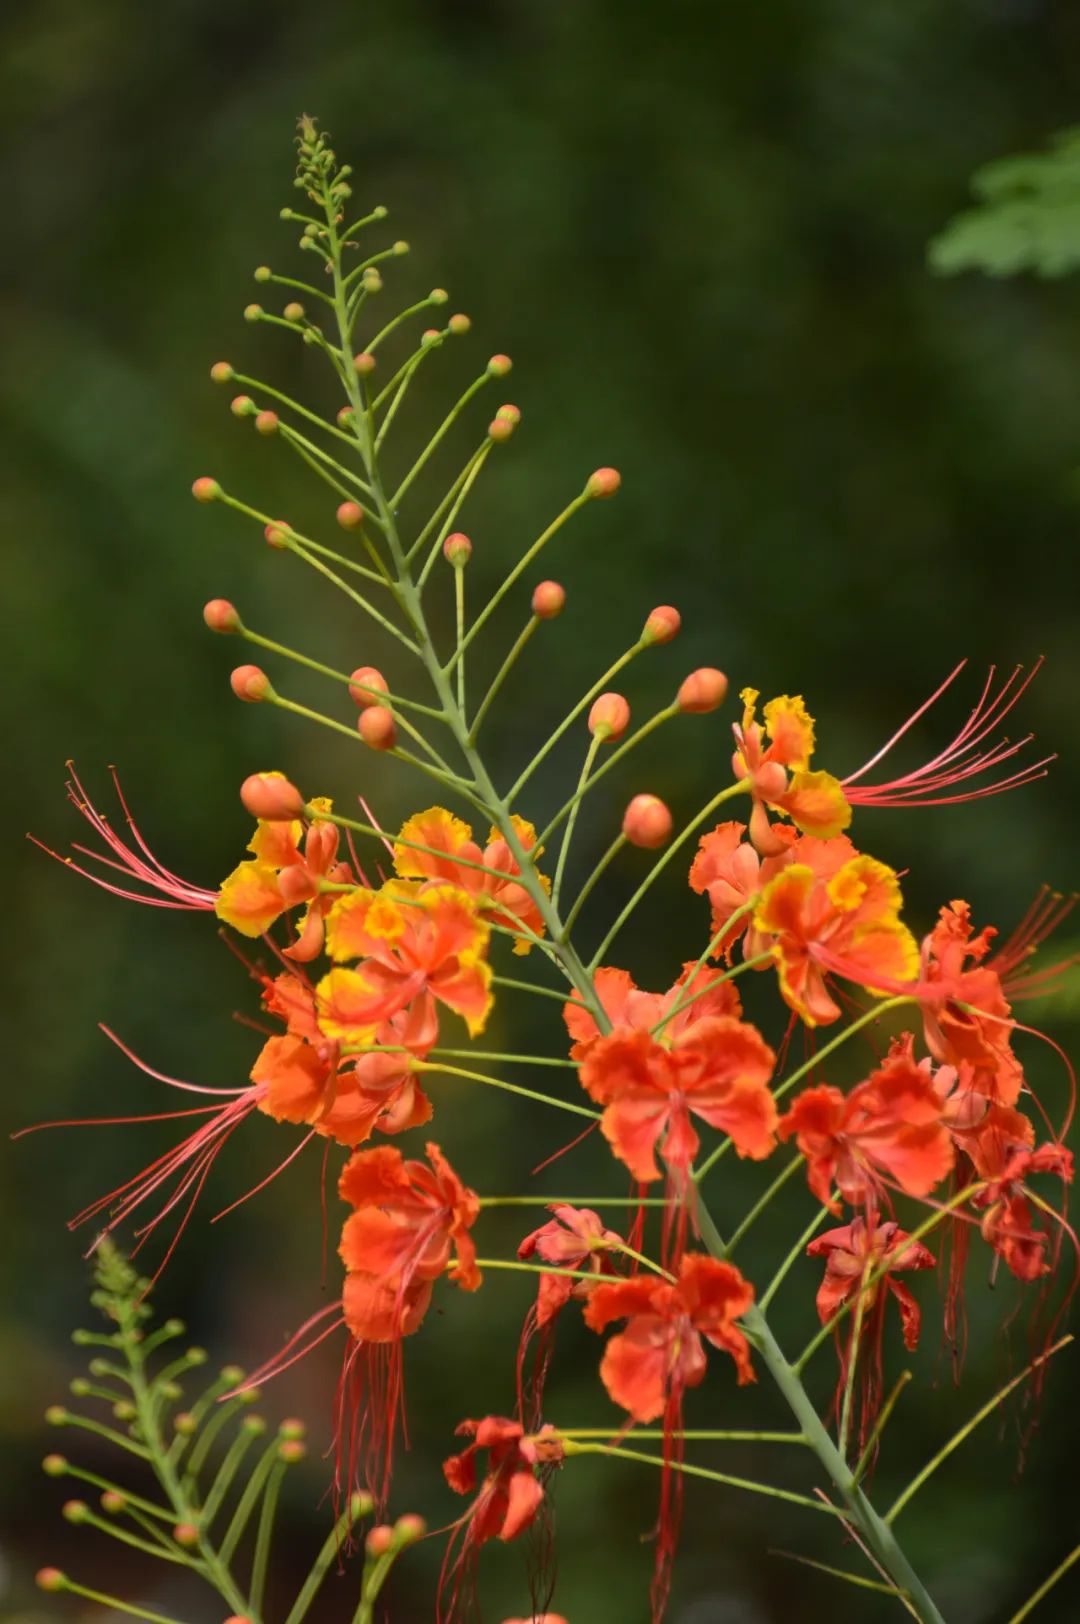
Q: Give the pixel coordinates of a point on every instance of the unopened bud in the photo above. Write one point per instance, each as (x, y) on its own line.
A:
(238, 1618)
(221, 616)
(345, 417)
(271, 798)
(372, 279)
(250, 684)
(350, 515)
(50, 1579)
(79, 1386)
(262, 273)
(56, 1415)
(232, 1374)
(291, 1450)
(366, 684)
(459, 323)
(252, 312)
(379, 1540)
(242, 406)
(500, 429)
(604, 482)
(294, 311)
(509, 414)
(185, 1423)
(222, 372)
(430, 336)
(292, 1428)
(647, 822)
(361, 1504)
(661, 625)
(703, 690)
(275, 534)
(499, 366)
(438, 296)
(113, 1501)
(548, 600)
(206, 490)
(377, 727)
(364, 363)
(54, 1465)
(267, 422)
(457, 549)
(609, 717)
(255, 1425)
(75, 1511)
(124, 1410)
(409, 1528)
(186, 1534)
(401, 246)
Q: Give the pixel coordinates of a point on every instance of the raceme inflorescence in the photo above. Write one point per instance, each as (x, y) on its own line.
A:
(378, 956)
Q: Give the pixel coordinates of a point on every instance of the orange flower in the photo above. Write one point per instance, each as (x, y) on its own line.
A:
(574, 1239)
(1008, 1222)
(966, 1016)
(697, 993)
(856, 1252)
(848, 925)
(491, 884)
(419, 945)
(814, 801)
(889, 1125)
(288, 868)
(718, 1069)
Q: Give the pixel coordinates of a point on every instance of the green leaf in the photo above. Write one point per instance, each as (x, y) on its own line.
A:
(1028, 217)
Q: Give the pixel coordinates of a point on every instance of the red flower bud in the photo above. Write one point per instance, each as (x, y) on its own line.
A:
(604, 482)
(262, 273)
(459, 323)
(662, 624)
(241, 405)
(275, 533)
(366, 677)
(296, 885)
(266, 422)
(499, 366)
(50, 1579)
(703, 690)
(252, 312)
(350, 515)
(509, 414)
(647, 822)
(220, 615)
(364, 363)
(548, 600)
(222, 372)
(186, 1534)
(430, 336)
(379, 1540)
(500, 429)
(206, 490)
(457, 549)
(409, 1528)
(250, 684)
(271, 798)
(113, 1502)
(292, 1450)
(609, 717)
(294, 311)
(377, 727)
(344, 417)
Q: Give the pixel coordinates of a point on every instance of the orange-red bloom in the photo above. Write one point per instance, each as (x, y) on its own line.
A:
(888, 1127)
(814, 801)
(419, 945)
(857, 1252)
(288, 867)
(848, 924)
(717, 1069)
(487, 876)
(966, 1016)
(574, 1239)
(697, 993)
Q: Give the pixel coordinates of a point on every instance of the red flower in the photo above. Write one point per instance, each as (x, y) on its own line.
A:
(508, 1500)
(890, 1125)
(487, 876)
(288, 867)
(1008, 1222)
(660, 1352)
(697, 993)
(731, 873)
(966, 1016)
(814, 801)
(718, 1069)
(574, 1239)
(855, 1253)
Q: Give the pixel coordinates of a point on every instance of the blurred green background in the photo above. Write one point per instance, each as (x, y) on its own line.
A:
(700, 231)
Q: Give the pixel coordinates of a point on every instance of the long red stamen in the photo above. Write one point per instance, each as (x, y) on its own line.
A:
(960, 761)
(1048, 910)
(289, 1355)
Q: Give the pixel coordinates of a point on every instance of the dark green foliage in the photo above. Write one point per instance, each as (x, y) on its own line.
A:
(1027, 218)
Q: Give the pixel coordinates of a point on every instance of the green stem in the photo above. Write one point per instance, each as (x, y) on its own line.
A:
(586, 786)
(264, 1536)
(747, 1483)
(358, 1507)
(425, 1068)
(599, 870)
(762, 1202)
(595, 741)
(572, 715)
(1047, 1585)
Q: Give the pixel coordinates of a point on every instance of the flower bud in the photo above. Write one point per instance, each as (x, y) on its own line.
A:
(647, 822)
(266, 422)
(379, 1540)
(221, 616)
(275, 534)
(113, 1502)
(252, 312)
(364, 363)
(604, 482)
(250, 684)
(409, 1528)
(662, 624)
(186, 1534)
(222, 372)
(377, 727)
(56, 1415)
(292, 1450)
(271, 798)
(75, 1511)
(499, 366)
(509, 414)
(124, 1410)
(262, 273)
(54, 1465)
(400, 247)
(457, 549)
(241, 405)
(345, 417)
(609, 717)
(350, 515)
(548, 600)
(366, 678)
(372, 279)
(430, 336)
(438, 296)
(185, 1423)
(459, 323)
(292, 1428)
(296, 884)
(500, 429)
(50, 1579)
(238, 1618)
(703, 690)
(206, 490)
(294, 311)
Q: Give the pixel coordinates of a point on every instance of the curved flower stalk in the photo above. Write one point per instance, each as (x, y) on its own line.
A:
(380, 958)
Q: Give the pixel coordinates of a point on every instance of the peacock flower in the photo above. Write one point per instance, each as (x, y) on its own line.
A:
(696, 993)
(488, 876)
(848, 925)
(967, 1019)
(290, 865)
(778, 772)
(575, 1238)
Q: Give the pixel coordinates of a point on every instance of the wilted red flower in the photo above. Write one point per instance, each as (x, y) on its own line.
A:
(857, 1252)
